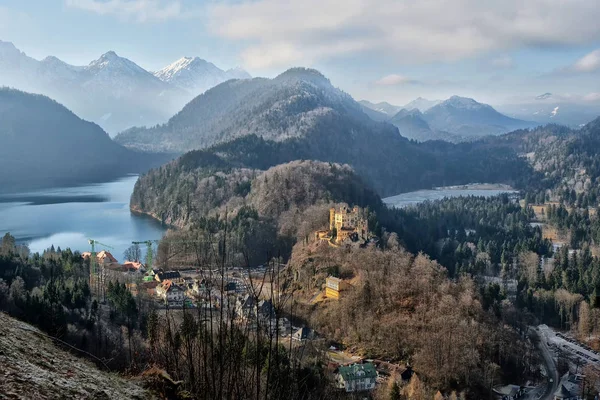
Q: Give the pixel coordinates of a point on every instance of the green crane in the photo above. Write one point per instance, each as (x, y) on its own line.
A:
(149, 252)
(94, 266)
(148, 243)
(93, 261)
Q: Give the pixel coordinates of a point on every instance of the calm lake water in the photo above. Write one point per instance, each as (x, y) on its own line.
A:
(411, 198)
(68, 217)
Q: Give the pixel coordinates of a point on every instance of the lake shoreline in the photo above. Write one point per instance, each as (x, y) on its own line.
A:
(478, 186)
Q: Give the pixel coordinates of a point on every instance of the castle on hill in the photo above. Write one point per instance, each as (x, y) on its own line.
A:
(345, 223)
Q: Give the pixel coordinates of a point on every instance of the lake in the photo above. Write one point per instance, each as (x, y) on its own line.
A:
(68, 217)
(411, 198)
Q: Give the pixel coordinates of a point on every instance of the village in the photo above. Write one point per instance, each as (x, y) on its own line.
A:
(242, 295)
(248, 297)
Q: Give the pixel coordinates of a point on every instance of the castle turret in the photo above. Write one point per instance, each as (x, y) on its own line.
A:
(331, 218)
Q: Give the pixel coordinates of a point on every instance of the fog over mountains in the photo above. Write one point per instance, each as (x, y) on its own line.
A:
(113, 91)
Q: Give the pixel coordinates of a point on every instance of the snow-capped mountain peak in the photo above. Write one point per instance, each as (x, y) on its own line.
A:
(197, 75)
(110, 61)
(186, 66)
(543, 96)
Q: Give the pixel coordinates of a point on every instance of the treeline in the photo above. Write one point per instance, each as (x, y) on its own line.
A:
(51, 290)
(467, 235)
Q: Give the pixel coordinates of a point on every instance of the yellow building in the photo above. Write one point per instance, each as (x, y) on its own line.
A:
(347, 221)
(333, 286)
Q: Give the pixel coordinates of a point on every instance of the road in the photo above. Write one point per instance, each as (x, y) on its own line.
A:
(550, 367)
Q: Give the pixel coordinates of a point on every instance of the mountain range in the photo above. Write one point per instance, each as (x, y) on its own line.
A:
(299, 115)
(455, 119)
(113, 91)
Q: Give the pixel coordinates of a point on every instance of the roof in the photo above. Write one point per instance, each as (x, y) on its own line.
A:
(169, 275)
(333, 279)
(562, 393)
(358, 371)
(132, 264)
(508, 390)
(168, 285)
(302, 333)
(105, 254)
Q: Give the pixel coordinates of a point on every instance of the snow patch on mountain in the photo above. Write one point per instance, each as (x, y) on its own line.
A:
(196, 75)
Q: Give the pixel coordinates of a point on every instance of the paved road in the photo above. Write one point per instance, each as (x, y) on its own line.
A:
(550, 366)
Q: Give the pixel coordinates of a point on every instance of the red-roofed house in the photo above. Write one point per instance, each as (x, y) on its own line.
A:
(169, 291)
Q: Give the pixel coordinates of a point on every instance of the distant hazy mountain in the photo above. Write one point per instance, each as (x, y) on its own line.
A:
(421, 104)
(112, 91)
(196, 75)
(548, 108)
(382, 107)
(412, 125)
(44, 144)
(469, 119)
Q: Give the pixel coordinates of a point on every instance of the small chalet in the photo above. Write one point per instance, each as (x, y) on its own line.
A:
(356, 377)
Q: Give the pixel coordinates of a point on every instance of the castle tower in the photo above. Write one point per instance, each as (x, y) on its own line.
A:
(331, 218)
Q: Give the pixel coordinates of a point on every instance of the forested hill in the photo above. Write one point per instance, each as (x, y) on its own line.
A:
(567, 161)
(267, 210)
(43, 144)
(299, 103)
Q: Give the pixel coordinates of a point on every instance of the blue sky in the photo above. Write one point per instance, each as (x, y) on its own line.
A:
(392, 50)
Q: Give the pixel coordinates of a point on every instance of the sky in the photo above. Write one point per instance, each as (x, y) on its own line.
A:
(497, 51)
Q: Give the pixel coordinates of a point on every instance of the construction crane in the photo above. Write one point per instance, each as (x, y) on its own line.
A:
(148, 243)
(94, 263)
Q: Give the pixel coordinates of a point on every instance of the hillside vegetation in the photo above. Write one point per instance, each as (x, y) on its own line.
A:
(404, 307)
(33, 367)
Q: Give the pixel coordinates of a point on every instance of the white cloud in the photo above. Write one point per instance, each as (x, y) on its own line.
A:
(588, 63)
(394, 79)
(283, 32)
(504, 62)
(591, 97)
(136, 10)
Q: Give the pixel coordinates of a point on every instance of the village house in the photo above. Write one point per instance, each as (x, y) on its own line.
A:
(356, 377)
(333, 287)
(103, 258)
(569, 387)
(173, 276)
(508, 392)
(170, 292)
(134, 265)
(250, 310)
(303, 334)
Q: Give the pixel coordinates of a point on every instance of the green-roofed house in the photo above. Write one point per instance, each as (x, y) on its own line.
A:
(356, 377)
